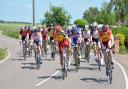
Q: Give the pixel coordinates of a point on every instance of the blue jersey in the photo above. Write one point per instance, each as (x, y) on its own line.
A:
(74, 39)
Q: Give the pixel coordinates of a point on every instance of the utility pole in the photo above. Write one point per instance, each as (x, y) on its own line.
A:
(33, 11)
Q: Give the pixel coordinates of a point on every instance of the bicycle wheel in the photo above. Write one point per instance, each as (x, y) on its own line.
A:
(38, 61)
(77, 62)
(110, 67)
(99, 63)
(110, 76)
(53, 52)
(45, 48)
(30, 51)
(63, 69)
(24, 51)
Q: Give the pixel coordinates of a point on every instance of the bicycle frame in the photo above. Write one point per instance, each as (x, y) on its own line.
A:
(65, 63)
(76, 56)
(108, 60)
(37, 56)
(87, 50)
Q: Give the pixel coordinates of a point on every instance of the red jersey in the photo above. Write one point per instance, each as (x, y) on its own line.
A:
(23, 33)
(105, 36)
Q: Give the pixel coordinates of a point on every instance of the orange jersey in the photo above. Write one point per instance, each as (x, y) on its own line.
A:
(105, 36)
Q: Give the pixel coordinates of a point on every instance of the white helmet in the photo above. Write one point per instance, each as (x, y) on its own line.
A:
(86, 27)
(94, 24)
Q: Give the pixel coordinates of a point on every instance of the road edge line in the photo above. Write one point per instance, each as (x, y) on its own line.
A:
(124, 72)
(6, 57)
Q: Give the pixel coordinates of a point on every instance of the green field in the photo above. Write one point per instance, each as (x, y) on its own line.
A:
(11, 29)
(3, 53)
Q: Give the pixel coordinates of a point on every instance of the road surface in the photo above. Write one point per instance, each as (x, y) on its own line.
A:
(15, 73)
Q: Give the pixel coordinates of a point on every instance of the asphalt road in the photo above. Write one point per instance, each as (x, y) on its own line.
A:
(15, 73)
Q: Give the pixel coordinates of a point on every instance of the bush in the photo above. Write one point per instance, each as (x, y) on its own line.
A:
(121, 37)
(121, 30)
(80, 22)
(122, 49)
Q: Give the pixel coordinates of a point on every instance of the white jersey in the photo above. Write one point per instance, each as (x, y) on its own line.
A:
(86, 34)
(95, 34)
(37, 37)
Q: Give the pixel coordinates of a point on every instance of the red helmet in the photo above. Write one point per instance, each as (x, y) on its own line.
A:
(57, 28)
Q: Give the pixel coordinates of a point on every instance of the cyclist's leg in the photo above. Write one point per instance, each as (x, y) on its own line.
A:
(94, 46)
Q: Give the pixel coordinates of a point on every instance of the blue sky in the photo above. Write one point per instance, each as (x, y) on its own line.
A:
(21, 10)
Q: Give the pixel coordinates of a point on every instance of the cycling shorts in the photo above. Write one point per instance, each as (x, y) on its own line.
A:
(38, 43)
(23, 38)
(95, 40)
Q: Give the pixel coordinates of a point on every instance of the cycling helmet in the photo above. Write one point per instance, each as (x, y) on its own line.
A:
(35, 29)
(104, 28)
(57, 28)
(86, 27)
(94, 24)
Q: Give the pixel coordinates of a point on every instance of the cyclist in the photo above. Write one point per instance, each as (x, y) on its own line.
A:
(75, 40)
(44, 33)
(51, 32)
(37, 39)
(86, 37)
(61, 39)
(29, 32)
(23, 33)
(106, 38)
(95, 38)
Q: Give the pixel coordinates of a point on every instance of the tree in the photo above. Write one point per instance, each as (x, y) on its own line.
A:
(91, 14)
(120, 7)
(57, 15)
(80, 22)
(105, 16)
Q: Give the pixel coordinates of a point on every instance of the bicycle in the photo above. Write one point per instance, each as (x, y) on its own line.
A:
(98, 55)
(37, 57)
(24, 49)
(30, 49)
(64, 62)
(87, 51)
(45, 47)
(76, 55)
(108, 63)
(53, 49)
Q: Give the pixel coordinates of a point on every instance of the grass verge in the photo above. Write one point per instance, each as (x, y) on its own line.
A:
(3, 53)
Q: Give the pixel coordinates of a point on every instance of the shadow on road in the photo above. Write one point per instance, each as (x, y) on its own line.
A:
(53, 77)
(28, 67)
(28, 63)
(100, 80)
(88, 68)
(18, 59)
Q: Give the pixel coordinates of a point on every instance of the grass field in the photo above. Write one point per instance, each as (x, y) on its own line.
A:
(3, 53)
(11, 29)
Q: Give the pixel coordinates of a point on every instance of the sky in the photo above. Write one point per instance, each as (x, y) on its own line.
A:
(21, 10)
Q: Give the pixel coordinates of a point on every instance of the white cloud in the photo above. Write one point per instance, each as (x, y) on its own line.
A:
(28, 6)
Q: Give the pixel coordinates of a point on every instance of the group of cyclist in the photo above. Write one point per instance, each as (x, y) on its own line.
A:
(100, 37)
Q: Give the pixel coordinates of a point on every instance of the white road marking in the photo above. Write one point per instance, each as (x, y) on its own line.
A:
(6, 57)
(124, 72)
(38, 84)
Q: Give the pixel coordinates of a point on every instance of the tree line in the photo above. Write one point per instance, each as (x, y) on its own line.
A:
(114, 12)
